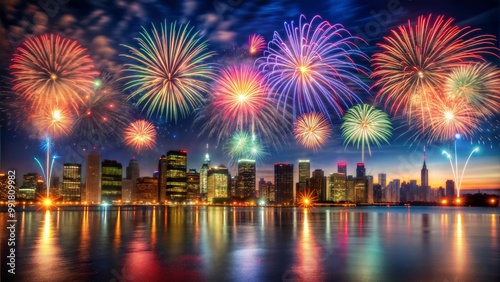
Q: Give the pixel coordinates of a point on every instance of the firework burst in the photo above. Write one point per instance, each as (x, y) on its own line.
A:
(244, 145)
(256, 44)
(307, 199)
(312, 130)
(416, 59)
(171, 73)
(364, 124)
(240, 102)
(54, 121)
(49, 69)
(313, 68)
(140, 134)
(105, 112)
(478, 84)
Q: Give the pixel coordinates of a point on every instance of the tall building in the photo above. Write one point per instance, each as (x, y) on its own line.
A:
(203, 175)
(72, 182)
(147, 190)
(111, 181)
(384, 192)
(218, 184)
(261, 185)
(4, 186)
(424, 180)
(317, 183)
(342, 168)
(193, 185)
(413, 190)
(450, 189)
(337, 187)
(133, 172)
(162, 178)
(360, 190)
(93, 178)
(176, 176)
(360, 170)
(246, 178)
(283, 183)
(304, 176)
(396, 190)
(127, 187)
(369, 189)
(31, 183)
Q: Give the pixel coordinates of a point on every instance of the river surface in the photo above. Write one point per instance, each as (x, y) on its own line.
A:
(187, 243)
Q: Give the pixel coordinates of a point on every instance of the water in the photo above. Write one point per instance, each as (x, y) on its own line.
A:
(256, 244)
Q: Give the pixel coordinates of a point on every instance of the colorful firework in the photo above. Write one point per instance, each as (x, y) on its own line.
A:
(478, 84)
(244, 145)
(54, 121)
(171, 73)
(312, 130)
(240, 102)
(140, 134)
(49, 69)
(451, 116)
(105, 112)
(256, 44)
(307, 199)
(314, 67)
(364, 124)
(416, 59)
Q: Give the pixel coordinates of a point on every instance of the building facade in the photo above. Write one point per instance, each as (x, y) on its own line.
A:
(93, 179)
(217, 183)
(111, 181)
(176, 189)
(72, 182)
(246, 179)
(283, 183)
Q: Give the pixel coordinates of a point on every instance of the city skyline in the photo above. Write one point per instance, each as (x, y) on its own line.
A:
(400, 159)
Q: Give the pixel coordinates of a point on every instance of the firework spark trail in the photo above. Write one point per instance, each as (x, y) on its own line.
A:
(256, 44)
(312, 130)
(140, 134)
(170, 73)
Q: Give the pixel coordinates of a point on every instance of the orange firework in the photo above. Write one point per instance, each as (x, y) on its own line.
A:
(312, 130)
(140, 134)
(256, 44)
(307, 199)
(49, 69)
(54, 121)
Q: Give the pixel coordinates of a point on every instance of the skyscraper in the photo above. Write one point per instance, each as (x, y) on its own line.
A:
(218, 184)
(203, 175)
(342, 168)
(93, 178)
(337, 187)
(31, 183)
(360, 170)
(72, 182)
(162, 178)
(176, 176)
(283, 183)
(450, 189)
(133, 172)
(304, 176)
(424, 180)
(192, 185)
(147, 190)
(111, 181)
(246, 178)
(318, 183)
(382, 181)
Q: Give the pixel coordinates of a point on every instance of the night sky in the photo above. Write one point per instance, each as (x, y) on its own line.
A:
(102, 26)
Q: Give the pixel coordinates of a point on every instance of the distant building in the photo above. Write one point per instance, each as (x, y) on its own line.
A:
(283, 183)
(424, 180)
(176, 176)
(31, 183)
(162, 179)
(4, 186)
(133, 172)
(92, 179)
(146, 190)
(304, 176)
(246, 178)
(450, 188)
(193, 185)
(337, 187)
(204, 175)
(317, 183)
(414, 190)
(218, 184)
(72, 182)
(342, 168)
(266, 190)
(360, 170)
(127, 187)
(384, 192)
(111, 181)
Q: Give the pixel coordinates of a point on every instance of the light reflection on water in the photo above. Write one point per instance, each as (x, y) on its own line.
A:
(256, 244)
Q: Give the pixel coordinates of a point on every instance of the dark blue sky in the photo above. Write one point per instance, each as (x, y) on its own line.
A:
(101, 26)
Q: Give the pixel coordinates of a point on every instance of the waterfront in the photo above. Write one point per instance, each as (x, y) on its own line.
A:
(156, 243)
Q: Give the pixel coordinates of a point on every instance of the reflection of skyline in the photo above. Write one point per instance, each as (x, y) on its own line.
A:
(220, 243)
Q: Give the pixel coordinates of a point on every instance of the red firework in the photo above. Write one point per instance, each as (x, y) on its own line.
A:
(256, 44)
